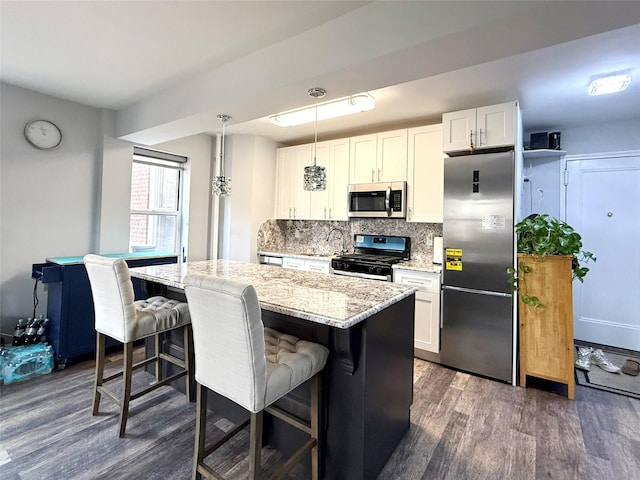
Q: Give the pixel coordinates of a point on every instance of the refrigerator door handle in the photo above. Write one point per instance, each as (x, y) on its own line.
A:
(481, 292)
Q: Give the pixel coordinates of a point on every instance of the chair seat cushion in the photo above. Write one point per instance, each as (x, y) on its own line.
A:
(290, 362)
(156, 315)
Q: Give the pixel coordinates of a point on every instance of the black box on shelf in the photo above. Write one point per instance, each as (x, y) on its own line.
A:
(539, 140)
(554, 141)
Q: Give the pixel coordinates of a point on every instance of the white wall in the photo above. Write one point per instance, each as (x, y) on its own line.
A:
(74, 199)
(545, 173)
(198, 148)
(48, 199)
(250, 162)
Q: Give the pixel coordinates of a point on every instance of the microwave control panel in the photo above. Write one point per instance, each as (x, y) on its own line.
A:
(396, 200)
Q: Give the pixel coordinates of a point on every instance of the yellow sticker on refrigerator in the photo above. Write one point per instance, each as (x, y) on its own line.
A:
(454, 259)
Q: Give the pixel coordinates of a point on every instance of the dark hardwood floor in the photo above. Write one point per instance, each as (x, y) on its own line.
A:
(462, 427)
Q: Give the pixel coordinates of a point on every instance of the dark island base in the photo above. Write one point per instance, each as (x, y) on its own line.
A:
(367, 391)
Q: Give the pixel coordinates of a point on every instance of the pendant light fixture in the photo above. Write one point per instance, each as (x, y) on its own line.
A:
(315, 177)
(221, 185)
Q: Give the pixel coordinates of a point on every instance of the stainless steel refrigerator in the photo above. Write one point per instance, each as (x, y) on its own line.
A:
(477, 304)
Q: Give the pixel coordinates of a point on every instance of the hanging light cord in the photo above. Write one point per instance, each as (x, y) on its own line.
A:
(222, 151)
(315, 143)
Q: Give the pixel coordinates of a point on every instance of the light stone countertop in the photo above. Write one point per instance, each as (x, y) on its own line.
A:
(327, 299)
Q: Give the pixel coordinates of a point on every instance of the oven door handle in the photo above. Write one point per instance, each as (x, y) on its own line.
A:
(387, 201)
(384, 278)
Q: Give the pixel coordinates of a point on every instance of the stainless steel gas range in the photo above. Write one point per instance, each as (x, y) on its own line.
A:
(373, 257)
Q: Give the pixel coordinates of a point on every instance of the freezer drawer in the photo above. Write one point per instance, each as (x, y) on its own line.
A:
(477, 333)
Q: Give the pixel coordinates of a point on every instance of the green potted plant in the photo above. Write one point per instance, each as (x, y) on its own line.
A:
(538, 237)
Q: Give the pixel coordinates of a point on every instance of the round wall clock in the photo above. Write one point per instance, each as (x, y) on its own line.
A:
(43, 134)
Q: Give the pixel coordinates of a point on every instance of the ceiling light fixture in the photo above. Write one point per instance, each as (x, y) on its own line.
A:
(221, 185)
(360, 102)
(611, 83)
(315, 177)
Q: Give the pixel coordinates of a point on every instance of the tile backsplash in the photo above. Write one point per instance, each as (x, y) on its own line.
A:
(310, 237)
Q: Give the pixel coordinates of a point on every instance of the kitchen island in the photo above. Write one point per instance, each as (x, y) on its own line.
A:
(368, 380)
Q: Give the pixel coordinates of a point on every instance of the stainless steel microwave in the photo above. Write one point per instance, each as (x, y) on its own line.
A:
(378, 200)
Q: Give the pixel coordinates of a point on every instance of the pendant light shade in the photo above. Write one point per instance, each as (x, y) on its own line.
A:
(315, 177)
(221, 185)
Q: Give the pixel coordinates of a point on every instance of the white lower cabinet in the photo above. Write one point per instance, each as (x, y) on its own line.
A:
(427, 311)
(308, 264)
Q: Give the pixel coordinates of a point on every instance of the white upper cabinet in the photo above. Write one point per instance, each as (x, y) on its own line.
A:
(380, 157)
(286, 158)
(363, 158)
(425, 174)
(292, 200)
(331, 204)
(392, 156)
(480, 128)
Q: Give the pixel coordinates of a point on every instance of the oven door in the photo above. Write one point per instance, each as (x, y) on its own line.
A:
(378, 200)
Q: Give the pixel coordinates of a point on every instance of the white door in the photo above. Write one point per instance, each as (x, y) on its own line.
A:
(602, 200)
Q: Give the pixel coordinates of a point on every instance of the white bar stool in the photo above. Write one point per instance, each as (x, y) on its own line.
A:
(251, 365)
(118, 316)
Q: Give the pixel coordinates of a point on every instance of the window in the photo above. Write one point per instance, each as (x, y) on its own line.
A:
(156, 200)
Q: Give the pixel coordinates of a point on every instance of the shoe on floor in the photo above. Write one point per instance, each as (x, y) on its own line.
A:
(631, 367)
(583, 362)
(598, 358)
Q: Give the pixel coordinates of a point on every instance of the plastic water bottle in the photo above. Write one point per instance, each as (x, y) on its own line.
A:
(31, 332)
(18, 333)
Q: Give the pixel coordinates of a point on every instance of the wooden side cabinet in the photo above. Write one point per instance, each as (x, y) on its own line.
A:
(546, 332)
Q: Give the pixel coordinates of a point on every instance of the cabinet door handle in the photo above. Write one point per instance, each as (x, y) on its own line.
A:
(480, 138)
(409, 212)
(294, 212)
(289, 213)
(372, 174)
(325, 213)
(378, 174)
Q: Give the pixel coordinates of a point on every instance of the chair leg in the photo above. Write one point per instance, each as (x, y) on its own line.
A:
(188, 361)
(100, 358)
(126, 387)
(315, 428)
(201, 429)
(156, 354)
(255, 447)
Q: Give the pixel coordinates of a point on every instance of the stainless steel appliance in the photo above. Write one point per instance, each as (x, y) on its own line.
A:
(269, 259)
(378, 200)
(477, 304)
(373, 257)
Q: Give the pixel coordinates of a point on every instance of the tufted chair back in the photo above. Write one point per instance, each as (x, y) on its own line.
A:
(228, 339)
(113, 296)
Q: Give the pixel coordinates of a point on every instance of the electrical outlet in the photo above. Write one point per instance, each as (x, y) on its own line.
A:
(429, 239)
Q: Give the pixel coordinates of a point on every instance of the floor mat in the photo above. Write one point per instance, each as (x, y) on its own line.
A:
(612, 382)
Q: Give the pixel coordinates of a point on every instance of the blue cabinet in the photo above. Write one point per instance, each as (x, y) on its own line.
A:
(70, 330)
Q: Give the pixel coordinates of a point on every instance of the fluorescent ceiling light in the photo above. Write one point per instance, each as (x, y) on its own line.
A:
(360, 102)
(609, 84)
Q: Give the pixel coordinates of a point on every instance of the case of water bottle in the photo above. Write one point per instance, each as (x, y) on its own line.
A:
(25, 361)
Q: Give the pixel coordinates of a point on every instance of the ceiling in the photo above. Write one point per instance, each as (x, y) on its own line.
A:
(166, 68)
